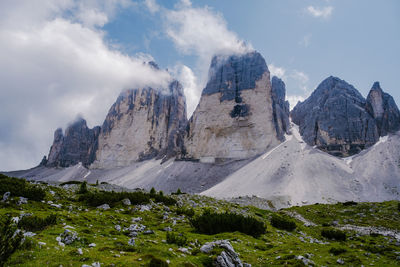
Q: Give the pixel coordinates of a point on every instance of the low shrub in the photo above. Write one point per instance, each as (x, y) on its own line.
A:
(337, 251)
(398, 206)
(10, 241)
(185, 211)
(214, 223)
(70, 182)
(178, 239)
(20, 187)
(156, 262)
(349, 203)
(333, 234)
(34, 223)
(282, 223)
(83, 189)
(95, 199)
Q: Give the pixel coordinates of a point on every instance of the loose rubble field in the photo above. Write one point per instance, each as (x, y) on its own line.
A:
(123, 234)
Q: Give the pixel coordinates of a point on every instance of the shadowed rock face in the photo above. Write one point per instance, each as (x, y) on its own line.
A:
(385, 111)
(79, 144)
(280, 107)
(143, 123)
(334, 119)
(235, 116)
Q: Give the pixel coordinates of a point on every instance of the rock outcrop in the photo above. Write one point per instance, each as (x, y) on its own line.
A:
(235, 116)
(334, 119)
(281, 107)
(78, 144)
(337, 119)
(143, 123)
(384, 109)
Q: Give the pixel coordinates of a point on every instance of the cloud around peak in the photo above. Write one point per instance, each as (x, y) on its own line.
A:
(320, 12)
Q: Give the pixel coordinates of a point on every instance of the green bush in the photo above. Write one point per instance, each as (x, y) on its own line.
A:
(83, 189)
(20, 187)
(349, 203)
(398, 206)
(95, 199)
(282, 223)
(333, 234)
(337, 251)
(9, 241)
(178, 239)
(70, 182)
(155, 262)
(214, 223)
(185, 211)
(152, 191)
(164, 199)
(34, 223)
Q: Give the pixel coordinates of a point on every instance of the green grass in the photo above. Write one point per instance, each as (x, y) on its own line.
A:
(275, 247)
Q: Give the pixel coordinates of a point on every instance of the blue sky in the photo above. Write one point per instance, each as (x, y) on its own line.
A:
(357, 41)
(61, 59)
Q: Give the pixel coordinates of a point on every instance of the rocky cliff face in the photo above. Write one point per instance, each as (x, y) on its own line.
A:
(143, 123)
(281, 107)
(78, 144)
(337, 118)
(235, 116)
(385, 111)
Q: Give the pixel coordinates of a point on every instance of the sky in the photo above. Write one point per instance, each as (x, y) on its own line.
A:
(67, 58)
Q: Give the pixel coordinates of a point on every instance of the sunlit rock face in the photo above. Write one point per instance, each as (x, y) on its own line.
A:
(142, 124)
(384, 109)
(235, 117)
(78, 144)
(334, 119)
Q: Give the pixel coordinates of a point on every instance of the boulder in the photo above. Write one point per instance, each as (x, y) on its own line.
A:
(104, 207)
(6, 196)
(234, 118)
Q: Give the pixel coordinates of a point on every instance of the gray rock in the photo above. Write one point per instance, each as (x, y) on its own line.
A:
(148, 232)
(78, 144)
(167, 229)
(281, 108)
(384, 110)
(22, 200)
(340, 261)
(118, 227)
(131, 242)
(335, 120)
(6, 196)
(68, 237)
(92, 245)
(228, 258)
(104, 207)
(126, 202)
(244, 70)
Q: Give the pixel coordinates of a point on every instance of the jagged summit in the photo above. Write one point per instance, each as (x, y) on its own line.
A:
(78, 144)
(229, 75)
(143, 123)
(235, 116)
(384, 109)
(339, 120)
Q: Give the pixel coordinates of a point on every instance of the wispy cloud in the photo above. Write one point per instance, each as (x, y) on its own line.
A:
(306, 40)
(320, 12)
(301, 78)
(58, 65)
(277, 71)
(152, 6)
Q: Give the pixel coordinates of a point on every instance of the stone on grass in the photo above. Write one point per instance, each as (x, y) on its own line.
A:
(131, 242)
(126, 202)
(6, 196)
(22, 200)
(104, 207)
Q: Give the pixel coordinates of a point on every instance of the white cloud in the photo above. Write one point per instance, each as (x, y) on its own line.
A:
(306, 40)
(293, 100)
(324, 12)
(53, 66)
(201, 32)
(191, 86)
(152, 6)
(277, 71)
(301, 78)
